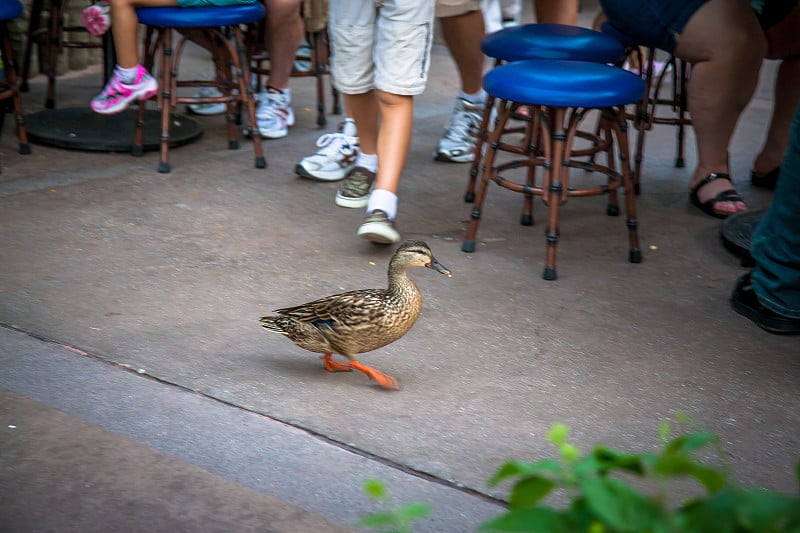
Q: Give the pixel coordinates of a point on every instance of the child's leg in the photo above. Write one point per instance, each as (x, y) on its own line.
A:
(124, 26)
(394, 138)
(130, 81)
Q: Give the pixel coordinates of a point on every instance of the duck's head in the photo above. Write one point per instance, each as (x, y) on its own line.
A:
(417, 254)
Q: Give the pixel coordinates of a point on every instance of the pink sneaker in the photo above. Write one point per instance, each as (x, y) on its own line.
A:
(96, 18)
(117, 96)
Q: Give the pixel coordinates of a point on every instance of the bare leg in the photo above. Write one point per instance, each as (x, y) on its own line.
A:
(787, 96)
(556, 11)
(394, 138)
(782, 43)
(725, 45)
(364, 110)
(463, 35)
(125, 26)
(284, 33)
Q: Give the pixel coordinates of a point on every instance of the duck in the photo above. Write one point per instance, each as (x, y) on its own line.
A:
(360, 321)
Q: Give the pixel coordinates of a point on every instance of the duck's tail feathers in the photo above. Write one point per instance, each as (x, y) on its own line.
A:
(270, 323)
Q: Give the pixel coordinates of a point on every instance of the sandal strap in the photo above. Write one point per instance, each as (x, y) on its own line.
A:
(729, 195)
(711, 177)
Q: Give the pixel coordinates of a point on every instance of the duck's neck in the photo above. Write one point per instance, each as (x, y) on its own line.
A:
(400, 283)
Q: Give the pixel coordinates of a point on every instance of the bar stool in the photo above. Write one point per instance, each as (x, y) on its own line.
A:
(536, 41)
(56, 32)
(560, 93)
(649, 110)
(9, 85)
(217, 29)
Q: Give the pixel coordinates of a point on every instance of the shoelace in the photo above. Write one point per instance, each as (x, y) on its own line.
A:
(332, 143)
(272, 105)
(112, 88)
(462, 123)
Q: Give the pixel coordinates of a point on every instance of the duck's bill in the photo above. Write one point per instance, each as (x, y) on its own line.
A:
(438, 267)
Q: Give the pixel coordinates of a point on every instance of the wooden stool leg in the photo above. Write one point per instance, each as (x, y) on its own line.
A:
(480, 141)
(33, 30)
(246, 93)
(554, 189)
(620, 128)
(10, 73)
(489, 172)
(531, 144)
(165, 62)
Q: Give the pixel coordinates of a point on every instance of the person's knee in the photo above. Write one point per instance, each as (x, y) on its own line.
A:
(723, 31)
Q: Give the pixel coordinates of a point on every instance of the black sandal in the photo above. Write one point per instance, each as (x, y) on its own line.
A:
(766, 181)
(729, 195)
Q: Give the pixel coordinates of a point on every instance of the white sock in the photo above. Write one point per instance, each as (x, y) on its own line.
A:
(368, 161)
(475, 98)
(384, 200)
(127, 75)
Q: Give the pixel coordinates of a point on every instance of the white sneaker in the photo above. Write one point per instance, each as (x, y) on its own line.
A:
(458, 141)
(274, 115)
(208, 109)
(335, 158)
(378, 228)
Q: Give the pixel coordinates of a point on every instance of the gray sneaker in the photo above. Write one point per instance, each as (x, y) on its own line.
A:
(378, 228)
(354, 191)
(458, 141)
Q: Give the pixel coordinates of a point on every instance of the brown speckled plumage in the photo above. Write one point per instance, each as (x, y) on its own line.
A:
(363, 320)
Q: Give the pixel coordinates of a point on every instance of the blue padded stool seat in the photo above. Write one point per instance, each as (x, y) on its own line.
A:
(552, 41)
(10, 9)
(200, 17)
(559, 95)
(219, 30)
(563, 83)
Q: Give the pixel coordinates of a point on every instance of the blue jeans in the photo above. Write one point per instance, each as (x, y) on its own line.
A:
(775, 245)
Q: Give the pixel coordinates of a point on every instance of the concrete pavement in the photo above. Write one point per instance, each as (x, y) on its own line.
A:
(131, 358)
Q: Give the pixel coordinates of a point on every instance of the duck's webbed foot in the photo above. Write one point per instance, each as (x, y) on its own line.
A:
(387, 382)
(334, 366)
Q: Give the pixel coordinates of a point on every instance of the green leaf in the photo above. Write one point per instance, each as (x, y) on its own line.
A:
(664, 429)
(414, 511)
(375, 489)
(619, 505)
(558, 434)
(529, 491)
(764, 510)
(381, 519)
(679, 465)
(531, 520)
(690, 442)
(608, 459)
(515, 468)
(570, 453)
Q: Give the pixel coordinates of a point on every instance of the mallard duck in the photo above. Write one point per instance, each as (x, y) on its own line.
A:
(360, 321)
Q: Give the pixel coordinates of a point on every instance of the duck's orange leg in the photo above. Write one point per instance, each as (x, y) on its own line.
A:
(333, 366)
(387, 382)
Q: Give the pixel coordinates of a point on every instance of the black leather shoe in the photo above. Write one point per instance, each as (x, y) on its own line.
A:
(745, 301)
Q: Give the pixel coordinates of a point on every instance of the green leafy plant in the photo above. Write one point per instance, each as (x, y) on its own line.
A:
(603, 499)
(393, 518)
(612, 491)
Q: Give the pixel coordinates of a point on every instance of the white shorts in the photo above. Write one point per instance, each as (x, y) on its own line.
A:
(452, 8)
(381, 44)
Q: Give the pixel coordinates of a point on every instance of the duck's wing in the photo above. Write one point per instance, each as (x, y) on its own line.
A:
(348, 308)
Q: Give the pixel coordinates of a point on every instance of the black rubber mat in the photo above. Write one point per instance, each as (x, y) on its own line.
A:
(79, 128)
(736, 231)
